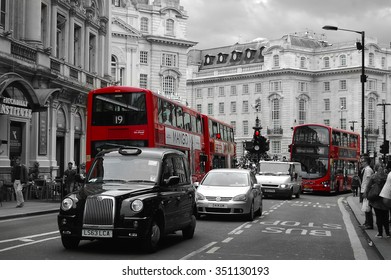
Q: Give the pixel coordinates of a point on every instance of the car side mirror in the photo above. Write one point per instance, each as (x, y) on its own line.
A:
(256, 186)
(196, 184)
(173, 180)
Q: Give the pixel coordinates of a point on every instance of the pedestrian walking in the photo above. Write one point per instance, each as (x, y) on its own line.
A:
(69, 178)
(356, 183)
(367, 173)
(19, 177)
(375, 185)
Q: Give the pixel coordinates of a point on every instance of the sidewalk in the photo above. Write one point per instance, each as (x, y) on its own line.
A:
(39, 207)
(383, 245)
(8, 209)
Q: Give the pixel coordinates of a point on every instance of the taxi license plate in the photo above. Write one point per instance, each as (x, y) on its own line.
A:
(217, 205)
(103, 233)
(270, 191)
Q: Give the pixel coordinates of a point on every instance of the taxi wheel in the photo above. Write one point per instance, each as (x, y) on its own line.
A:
(298, 193)
(70, 242)
(188, 232)
(152, 239)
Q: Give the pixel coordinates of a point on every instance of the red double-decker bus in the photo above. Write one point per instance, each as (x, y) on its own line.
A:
(329, 157)
(220, 145)
(120, 115)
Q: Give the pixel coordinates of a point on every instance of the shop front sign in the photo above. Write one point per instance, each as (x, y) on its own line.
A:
(15, 107)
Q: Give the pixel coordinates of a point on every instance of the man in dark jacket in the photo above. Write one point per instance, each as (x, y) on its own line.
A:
(19, 176)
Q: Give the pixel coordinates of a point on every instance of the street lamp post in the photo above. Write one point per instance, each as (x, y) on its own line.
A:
(363, 78)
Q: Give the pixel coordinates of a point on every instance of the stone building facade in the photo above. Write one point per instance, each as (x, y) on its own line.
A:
(149, 45)
(52, 52)
(293, 80)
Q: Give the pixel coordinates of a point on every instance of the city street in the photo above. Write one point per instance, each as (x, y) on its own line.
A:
(311, 227)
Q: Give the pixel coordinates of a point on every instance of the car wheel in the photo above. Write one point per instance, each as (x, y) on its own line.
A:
(152, 239)
(70, 242)
(251, 215)
(188, 232)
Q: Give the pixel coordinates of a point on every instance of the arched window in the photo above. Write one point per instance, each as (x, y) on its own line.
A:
(116, 71)
(169, 86)
(144, 25)
(302, 111)
(326, 62)
(61, 121)
(371, 121)
(170, 27)
(342, 60)
(276, 116)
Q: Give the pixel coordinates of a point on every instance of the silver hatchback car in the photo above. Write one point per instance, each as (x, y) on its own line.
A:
(230, 192)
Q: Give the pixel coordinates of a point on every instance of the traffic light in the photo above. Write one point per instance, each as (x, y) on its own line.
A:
(385, 147)
(257, 139)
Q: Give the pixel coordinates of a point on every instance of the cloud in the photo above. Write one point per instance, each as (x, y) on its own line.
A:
(215, 23)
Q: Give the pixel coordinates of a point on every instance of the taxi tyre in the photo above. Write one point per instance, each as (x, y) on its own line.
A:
(152, 239)
(188, 232)
(70, 242)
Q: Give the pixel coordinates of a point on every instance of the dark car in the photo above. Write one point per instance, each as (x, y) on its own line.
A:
(131, 193)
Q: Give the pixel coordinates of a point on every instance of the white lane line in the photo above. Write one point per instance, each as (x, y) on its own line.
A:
(227, 240)
(213, 250)
(247, 226)
(238, 228)
(28, 237)
(358, 250)
(28, 244)
(238, 232)
(188, 256)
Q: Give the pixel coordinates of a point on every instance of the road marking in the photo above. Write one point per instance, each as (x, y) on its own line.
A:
(238, 232)
(213, 250)
(28, 237)
(188, 256)
(227, 240)
(28, 244)
(358, 250)
(238, 228)
(247, 226)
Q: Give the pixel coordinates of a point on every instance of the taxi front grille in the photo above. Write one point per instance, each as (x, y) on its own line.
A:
(99, 211)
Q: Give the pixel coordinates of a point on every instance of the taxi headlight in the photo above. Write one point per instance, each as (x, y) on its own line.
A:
(283, 186)
(137, 205)
(67, 204)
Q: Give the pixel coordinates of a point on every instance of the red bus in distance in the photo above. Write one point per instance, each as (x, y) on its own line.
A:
(121, 115)
(329, 157)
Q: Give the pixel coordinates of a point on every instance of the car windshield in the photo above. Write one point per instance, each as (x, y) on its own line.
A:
(226, 179)
(273, 168)
(124, 169)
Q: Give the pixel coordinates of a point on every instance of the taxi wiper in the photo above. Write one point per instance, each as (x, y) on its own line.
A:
(140, 181)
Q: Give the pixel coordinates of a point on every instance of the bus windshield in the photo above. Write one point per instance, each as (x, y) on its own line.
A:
(119, 109)
(313, 167)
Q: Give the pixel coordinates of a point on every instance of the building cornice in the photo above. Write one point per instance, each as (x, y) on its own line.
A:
(170, 41)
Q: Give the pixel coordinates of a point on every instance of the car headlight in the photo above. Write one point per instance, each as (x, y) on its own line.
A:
(200, 196)
(283, 186)
(137, 205)
(240, 197)
(67, 203)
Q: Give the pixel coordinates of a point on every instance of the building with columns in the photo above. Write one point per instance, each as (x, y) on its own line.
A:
(296, 79)
(149, 45)
(52, 52)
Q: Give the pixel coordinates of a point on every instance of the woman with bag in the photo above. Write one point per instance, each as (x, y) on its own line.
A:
(372, 193)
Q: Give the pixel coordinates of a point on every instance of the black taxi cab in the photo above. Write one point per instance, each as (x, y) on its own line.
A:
(131, 193)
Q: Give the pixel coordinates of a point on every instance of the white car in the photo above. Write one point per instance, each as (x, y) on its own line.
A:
(229, 192)
(280, 178)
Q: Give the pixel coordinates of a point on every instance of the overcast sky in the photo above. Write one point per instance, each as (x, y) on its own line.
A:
(216, 23)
